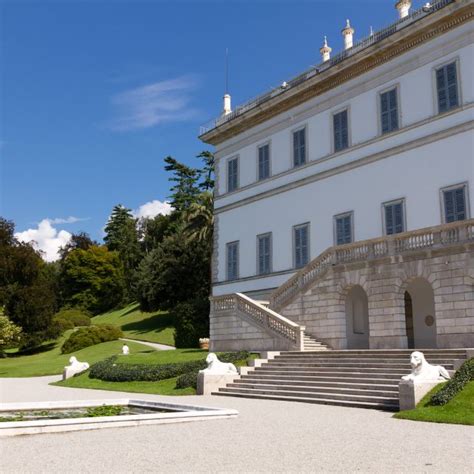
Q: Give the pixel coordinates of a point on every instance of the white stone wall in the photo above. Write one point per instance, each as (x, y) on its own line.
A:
(428, 153)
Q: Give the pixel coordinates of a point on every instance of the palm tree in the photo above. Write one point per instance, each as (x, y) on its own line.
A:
(199, 219)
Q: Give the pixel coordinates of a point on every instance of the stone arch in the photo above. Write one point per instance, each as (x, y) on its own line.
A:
(417, 294)
(357, 317)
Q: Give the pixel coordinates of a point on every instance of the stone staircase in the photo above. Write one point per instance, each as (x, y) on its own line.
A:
(353, 378)
(310, 344)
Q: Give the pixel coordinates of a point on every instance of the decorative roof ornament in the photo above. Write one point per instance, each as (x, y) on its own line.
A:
(325, 50)
(348, 34)
(403, 7)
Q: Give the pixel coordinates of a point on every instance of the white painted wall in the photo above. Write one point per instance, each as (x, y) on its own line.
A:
(417, 175)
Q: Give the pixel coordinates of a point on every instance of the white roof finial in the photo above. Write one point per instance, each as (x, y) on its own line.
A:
(348, 34)
(325, 50)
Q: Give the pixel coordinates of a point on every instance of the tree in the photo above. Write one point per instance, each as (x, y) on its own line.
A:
(26, 287)
(93, 279)
(81, 240)
(153, 230)
(200, 219)
(122, 236)
(10, 334)
(186, 186)
(206, 173)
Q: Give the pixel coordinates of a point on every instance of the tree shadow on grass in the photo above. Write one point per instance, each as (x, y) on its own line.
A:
(156, 324)
(132, 309)
(34, 350)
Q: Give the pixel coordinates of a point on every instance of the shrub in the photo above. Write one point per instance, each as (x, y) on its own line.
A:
(110, 371)
(61, 325)
(462, 376)
(9, 333)
(187, 380)
(90, 336)
(191, 322)
(76, 316)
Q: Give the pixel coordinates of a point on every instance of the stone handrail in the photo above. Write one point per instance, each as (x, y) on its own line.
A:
(422, 239)
(263, 316)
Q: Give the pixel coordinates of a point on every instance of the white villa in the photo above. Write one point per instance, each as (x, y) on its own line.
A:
(344, 198)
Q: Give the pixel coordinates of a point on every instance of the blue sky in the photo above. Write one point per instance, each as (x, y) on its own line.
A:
(96, 93)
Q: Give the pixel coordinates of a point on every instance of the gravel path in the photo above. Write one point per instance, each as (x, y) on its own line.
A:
(268, 436)
(158, 347)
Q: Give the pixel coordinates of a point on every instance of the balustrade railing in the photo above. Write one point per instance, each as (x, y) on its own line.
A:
(422, 239)
(260, 314)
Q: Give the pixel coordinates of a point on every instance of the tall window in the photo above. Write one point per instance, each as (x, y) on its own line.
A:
(301, 245)
(233, 260)
(264, 162)
(447, 87)
(299, 147)
(232, 174)
(341, 130)
(343, 228)
(394, 217)
(264, 253)
(454, 201)
(389, 111)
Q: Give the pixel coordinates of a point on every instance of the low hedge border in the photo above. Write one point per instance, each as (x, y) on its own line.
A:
(110, 371)
(463, 375)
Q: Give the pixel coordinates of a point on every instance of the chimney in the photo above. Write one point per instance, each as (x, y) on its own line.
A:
(227, 107)
(325, 51)
(348, 34)
(403, 7)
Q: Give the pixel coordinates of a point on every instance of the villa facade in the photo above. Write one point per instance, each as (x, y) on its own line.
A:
(344, 198)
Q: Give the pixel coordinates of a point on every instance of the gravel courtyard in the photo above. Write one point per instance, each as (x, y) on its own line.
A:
(268, 436)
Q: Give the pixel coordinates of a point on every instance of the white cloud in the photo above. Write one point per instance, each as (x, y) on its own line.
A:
(67, 220)
(45, 238)
(152, 209)
(147, 106)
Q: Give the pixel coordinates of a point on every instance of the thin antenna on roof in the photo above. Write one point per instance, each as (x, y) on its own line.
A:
(227, 70)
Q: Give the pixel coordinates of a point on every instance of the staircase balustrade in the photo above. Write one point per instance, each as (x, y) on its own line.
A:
(388, 246)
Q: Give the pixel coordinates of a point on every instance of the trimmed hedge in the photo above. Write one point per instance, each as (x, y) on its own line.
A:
(463, 375)
(111, 371)
(77, 317)
(90, 336)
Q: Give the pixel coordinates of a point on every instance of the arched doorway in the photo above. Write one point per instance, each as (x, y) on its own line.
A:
(357, 318)
(420, 316)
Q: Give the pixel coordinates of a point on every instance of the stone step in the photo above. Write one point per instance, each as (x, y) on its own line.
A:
(339, 370)
(318, 395)
(380, 385)
(320, 401)
(327, 360)
(353, 374)
(405, 352)
(361, 365)
(392, 381)
(372, 391)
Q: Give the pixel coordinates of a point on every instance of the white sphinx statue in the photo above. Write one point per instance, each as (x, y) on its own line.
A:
(422, 371)
(74, 368)
(216, 367)
(125, 350)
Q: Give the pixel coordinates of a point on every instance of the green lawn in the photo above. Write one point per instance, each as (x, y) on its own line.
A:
(162, 387)
(459, 410)
(153, 327)
(52, 362)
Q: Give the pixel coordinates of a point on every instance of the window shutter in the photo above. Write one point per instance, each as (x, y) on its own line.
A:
(449, 206)
(447, 87)
(460, 204)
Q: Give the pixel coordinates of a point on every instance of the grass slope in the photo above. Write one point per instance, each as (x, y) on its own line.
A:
(153, 327)
(52, 362)
(162, 387)
(163, 357)
(459, 410)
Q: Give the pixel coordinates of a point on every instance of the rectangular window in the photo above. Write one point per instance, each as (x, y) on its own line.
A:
(232, 174)
(343, 229)
(264, 253)
(447, 87)
(264, 162)
(299, 147)
(301, 245)
(394, 217)
(454, 201)
(389, 111)
(233, 261)
(341, 130)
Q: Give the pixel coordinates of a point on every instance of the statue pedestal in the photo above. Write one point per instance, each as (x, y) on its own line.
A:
(71, 371)
(411, 392)
(208, 383)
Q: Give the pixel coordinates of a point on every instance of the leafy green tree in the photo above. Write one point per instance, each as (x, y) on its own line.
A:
(10, 334)
(81, 240)
(93, 279)
(122, 236)
(185, 187)
(199, 219)
(206, 173)
(153, 231)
